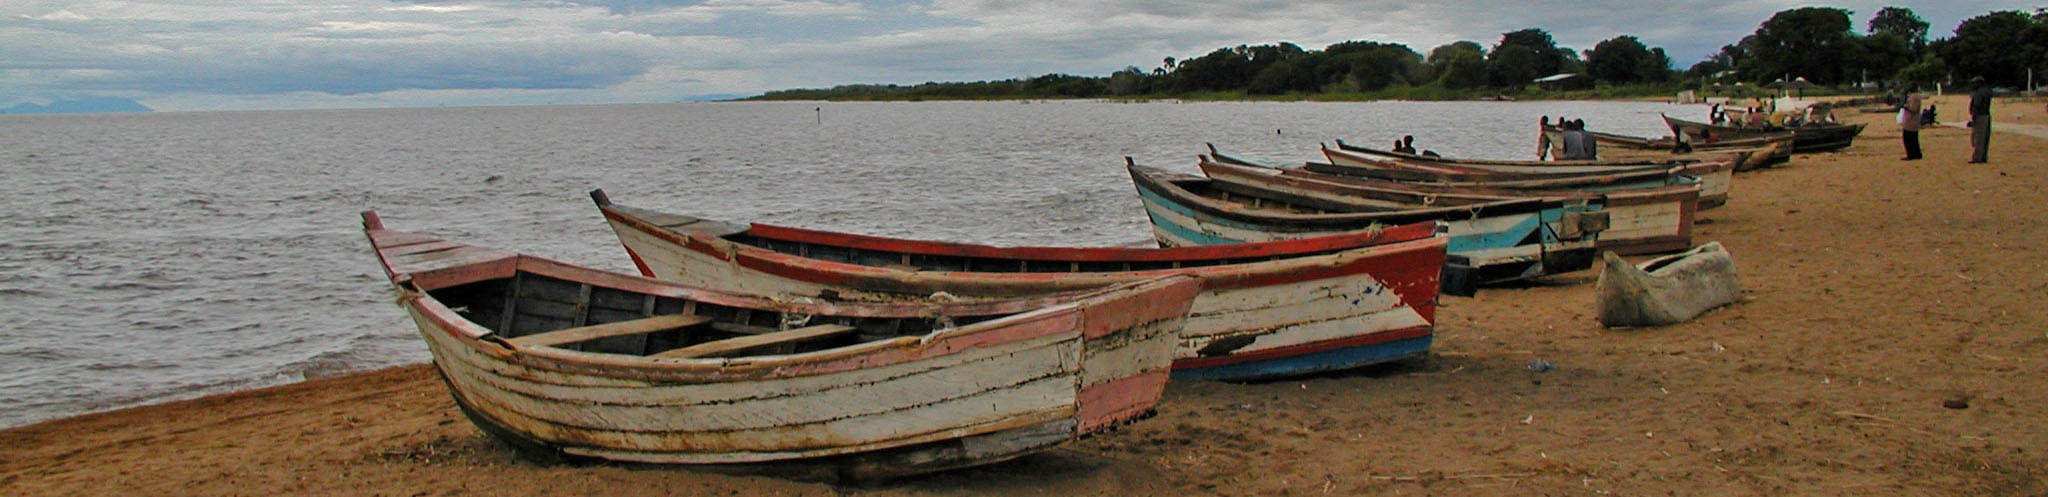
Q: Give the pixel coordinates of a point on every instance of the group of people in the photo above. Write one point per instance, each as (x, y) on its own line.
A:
(1578, 144)
(1767, 116)
(1406, 145)
(1912, 117)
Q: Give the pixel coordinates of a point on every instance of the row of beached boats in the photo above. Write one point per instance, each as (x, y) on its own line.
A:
(786, 349)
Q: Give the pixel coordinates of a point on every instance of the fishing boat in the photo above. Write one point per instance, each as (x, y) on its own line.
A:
(1492, 242)
(1512, 183)
(1265, 309)
(584, 363)
(1767, 150)
(1715, 172)
(1656, 216)
(1807, 138)
(1666, 290)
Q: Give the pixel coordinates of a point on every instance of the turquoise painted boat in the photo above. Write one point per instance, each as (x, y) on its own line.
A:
(1490, 242)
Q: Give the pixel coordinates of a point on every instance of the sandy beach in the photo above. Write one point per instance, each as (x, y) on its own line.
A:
(1890, 341)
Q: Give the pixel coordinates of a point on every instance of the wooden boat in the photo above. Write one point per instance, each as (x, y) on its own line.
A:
(1489, 243)
(1640, 220)
(1809, 138)
(1512, 183)
(558, 358)
(1265, 310)
(1716, 173)
(1666, 290)
(1767, 150)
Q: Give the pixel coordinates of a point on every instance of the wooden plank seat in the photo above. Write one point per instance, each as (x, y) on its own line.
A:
(607, 330)
(737, 344)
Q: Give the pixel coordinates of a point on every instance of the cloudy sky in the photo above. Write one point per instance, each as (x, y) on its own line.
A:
(272, 54)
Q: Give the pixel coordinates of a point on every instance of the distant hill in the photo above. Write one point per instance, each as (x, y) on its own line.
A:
(87, 105)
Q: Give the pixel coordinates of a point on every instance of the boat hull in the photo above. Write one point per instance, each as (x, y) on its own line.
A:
(1716, 177)
(1805, 139)
(1272, 312)
(1766, 150)
(1504, 242)
(1651, 218)
(1028, 375)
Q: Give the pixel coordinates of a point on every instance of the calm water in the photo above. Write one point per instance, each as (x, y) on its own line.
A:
(151, 257)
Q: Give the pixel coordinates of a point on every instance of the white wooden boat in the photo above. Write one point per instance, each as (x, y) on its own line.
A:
(587, 363)
(1266, 309)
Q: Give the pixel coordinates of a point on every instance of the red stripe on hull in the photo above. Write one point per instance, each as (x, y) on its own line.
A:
(1098, 254)
(1119, 400)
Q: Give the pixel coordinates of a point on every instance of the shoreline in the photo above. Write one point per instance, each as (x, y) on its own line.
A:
(1875, 291)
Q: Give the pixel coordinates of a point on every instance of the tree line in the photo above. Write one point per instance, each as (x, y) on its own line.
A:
(1818, 44)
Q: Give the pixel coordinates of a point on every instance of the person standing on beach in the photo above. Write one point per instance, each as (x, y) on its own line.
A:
(1980, 121)
(1909, 126)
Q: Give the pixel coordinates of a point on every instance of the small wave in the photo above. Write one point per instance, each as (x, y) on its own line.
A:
(325, 365)
(19, 292)
(142, 365)
(132, 285)
(36, 353)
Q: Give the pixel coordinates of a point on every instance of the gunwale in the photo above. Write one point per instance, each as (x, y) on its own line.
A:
(1670, 209)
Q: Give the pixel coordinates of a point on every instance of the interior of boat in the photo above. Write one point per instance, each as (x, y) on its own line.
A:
(530, 309)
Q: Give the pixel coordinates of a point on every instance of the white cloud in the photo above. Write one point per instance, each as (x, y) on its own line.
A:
(433, 8)
(385, 26)
(61, 15)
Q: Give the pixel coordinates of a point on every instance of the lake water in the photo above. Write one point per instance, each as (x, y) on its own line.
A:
(151, 257)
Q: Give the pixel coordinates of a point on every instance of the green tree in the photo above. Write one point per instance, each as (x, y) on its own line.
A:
(1294, 75)
(1511, 66)
(1386, 65)
(1810, 42)
(1129, 81)
(1900, 22)
(1545, 57)
(1624, 59)
(1464, 70)
(1926, 72)
(1998, 46)
(1881, 56)
(1443, 55)
(1440, 57)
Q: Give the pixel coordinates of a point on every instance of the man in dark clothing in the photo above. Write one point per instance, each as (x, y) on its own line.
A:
(1980, 121)
(1578, 145)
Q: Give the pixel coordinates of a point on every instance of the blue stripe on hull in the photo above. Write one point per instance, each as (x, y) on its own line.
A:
(1192, 236)
(1328, 360)
(1458, 243)
(1512, 236)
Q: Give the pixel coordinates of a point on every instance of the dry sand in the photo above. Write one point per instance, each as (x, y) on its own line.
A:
(1876, 291)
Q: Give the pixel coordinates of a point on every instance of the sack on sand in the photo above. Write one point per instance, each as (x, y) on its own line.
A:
(1666, 290)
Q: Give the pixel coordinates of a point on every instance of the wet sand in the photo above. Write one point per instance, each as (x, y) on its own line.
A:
(1890, 341)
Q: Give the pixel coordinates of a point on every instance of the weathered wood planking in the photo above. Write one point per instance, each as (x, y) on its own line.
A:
(1290, 308)
(1810, 138)
(1653, 219)
(1023, 376)
(1499, 241)
(1715, 171)
(1758, 152)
